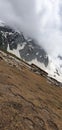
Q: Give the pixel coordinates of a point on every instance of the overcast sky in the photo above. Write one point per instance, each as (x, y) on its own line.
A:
(40, 19)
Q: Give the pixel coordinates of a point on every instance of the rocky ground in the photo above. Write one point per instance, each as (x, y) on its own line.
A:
(27, 100)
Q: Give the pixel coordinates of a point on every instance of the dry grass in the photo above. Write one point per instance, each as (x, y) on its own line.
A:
(28, 101)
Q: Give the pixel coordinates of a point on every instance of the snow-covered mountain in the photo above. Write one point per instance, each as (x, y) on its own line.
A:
(24, 48)
(29, 50)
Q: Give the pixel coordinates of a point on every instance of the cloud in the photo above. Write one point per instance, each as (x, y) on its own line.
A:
(40, 19)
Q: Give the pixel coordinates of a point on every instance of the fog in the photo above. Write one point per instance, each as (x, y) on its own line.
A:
(40, 19)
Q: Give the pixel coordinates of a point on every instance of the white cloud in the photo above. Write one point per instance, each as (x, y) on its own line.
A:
(40, 19)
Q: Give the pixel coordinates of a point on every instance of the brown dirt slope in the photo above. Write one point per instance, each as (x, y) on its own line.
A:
(27, 100)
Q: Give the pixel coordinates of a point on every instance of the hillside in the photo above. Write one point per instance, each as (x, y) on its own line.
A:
(28, 101)
(29, 49)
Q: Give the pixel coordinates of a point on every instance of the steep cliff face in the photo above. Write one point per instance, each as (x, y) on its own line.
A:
(28, 101)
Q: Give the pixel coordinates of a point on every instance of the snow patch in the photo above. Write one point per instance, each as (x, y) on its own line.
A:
(37, 53)
(14, 51)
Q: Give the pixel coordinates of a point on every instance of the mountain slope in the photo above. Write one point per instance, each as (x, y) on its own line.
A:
(28, 101)
(29, 50)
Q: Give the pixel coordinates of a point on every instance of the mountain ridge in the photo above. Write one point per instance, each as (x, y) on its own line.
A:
(9, 56)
